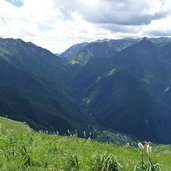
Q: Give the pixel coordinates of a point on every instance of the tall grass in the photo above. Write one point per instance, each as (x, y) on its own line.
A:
(105, 162)
(146, 163)
(24, 150)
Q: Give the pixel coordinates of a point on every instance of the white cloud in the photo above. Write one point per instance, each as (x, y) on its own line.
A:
(159, 27)
(57, 24)
(126, 12)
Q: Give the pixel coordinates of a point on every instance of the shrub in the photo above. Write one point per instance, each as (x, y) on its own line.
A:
(105, 162)
(71, 162)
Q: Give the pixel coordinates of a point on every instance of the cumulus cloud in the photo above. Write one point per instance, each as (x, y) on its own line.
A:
(159, 28)
(57, 24)
(125, 12)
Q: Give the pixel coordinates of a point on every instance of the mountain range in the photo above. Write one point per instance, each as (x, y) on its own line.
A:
(121, 85)
(32, 88)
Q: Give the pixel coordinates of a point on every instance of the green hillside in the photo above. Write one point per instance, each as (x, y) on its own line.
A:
(23, 149)
(120, 102)
(129, 92)
(32, 88)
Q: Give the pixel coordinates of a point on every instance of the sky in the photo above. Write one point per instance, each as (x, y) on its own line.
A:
(59, 24)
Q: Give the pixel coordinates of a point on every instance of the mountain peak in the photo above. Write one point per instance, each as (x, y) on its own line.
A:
(145, 38)
(145, 41)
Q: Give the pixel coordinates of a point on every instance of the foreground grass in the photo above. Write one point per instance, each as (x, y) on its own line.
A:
(23, 149)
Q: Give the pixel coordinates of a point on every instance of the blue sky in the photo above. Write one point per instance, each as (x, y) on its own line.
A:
(18, 3)
(58, 24)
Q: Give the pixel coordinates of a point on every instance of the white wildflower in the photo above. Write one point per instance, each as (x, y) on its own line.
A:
(140, 145)
(149, 150)
(84, 134)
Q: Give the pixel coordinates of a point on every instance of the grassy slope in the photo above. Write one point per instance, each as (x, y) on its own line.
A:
(23, 149)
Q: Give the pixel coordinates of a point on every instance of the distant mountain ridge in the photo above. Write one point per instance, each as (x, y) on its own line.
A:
(107, 48)
(83, 52)
(121, 85)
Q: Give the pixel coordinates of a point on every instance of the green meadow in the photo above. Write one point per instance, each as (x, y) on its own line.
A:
(21, 148)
